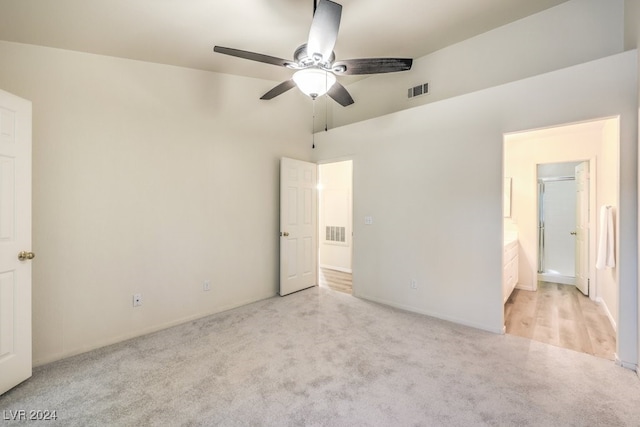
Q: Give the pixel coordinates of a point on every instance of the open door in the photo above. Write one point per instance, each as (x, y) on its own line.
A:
(582, 227)
(15, 240)
(298, 225)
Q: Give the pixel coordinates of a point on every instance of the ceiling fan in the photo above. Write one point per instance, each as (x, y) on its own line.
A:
(314, 61)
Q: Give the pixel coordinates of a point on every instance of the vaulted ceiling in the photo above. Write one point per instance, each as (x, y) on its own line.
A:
(183, 32)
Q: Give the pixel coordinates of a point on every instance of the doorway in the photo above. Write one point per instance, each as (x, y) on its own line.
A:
(546, 304)
(557, 222)
(335, 226)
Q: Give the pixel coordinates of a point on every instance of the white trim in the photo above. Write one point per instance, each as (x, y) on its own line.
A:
(557, 278)
(600, 301)
(332, 267)
(525, 288)
(433, 314)
(626, 365)
(145, 331)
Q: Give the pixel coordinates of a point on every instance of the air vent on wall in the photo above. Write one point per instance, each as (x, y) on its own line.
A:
(335, 234)
(422, 89)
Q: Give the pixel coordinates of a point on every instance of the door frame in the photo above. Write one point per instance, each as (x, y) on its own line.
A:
(542, 182)
(592, 286)
(353, 222)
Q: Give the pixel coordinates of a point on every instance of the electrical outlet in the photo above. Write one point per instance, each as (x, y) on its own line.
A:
(414, 284)
(137, 300)
(206, 285)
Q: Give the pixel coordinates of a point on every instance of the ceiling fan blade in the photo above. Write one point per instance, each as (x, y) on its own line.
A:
(351, 67)
(324, 29)
(253, 56)
(340, 94)
(279, 90)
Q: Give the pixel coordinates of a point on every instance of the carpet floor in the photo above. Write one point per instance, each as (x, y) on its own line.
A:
(324, 358)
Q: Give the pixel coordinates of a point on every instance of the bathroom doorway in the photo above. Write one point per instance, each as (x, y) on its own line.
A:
(558, 211)
(335, 222)
(546, 304)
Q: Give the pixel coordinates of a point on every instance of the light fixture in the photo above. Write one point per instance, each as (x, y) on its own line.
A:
(314, 82)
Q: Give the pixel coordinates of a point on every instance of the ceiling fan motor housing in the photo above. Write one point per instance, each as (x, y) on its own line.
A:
(304, 60)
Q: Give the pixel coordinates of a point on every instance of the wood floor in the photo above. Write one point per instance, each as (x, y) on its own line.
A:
(336, 280)
(560, 315)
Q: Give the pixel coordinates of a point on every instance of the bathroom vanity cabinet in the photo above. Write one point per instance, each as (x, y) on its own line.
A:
(510, 268)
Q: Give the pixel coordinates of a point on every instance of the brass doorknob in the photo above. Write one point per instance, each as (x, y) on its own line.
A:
(24, 255)
(285, 234)
(574, 233)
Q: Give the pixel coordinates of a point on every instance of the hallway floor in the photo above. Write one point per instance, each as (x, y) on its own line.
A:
(336, 280)
(562, 316)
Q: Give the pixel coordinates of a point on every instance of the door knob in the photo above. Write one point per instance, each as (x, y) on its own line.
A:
(285, 234)
(24, 255)
(574, 233)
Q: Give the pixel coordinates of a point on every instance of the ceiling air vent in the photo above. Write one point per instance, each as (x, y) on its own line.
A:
(422, 89)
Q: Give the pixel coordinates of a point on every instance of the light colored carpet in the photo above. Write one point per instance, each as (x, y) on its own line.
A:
(321, 357)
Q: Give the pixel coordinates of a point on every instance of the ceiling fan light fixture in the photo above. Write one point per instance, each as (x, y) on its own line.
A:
(314, 82)
(314, 61)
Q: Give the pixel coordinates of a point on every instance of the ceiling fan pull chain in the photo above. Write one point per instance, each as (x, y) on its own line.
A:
(326, 108)
(313, 124)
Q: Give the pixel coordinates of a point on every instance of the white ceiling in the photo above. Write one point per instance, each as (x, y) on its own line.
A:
(183, 32)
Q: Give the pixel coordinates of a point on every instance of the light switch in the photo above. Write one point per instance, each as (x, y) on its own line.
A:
(368, 220)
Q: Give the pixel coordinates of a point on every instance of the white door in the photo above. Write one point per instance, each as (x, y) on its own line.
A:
(298, 242)
(582, 227)
(15, 237)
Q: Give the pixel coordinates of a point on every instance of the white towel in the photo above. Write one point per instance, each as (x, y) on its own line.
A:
(606, 243)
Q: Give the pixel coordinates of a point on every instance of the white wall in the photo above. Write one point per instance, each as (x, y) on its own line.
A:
(632, 41)
(147, 179)
(335, 210)
(571, 33)
(595, 141)
(631, 24)
(607, 280)
(431, 177)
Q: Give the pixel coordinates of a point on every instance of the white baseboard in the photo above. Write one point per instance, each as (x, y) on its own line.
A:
(556, 278)
(600, 301)
(496, 330)
(626, 365)
(144, 331)
(524, 288)
(333, 267)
